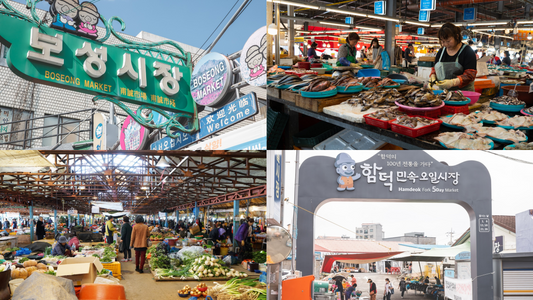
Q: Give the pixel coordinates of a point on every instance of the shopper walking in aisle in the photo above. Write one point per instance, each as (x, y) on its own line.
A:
(338, 283)
(403, 286)
(456, 64)
(39, 229)
(14, 224)
(6, 224)
(373, 290)
(125, 236)
(139, 242)
(388, 289)
(109, 230)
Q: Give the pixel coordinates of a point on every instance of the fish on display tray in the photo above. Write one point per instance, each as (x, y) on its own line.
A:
(387, 114)
(420, 97)
(520, 146)
(491, 116)
(376, 98)
(502, 134)
(413, 122)
(464, 141)
(528, 111)
(470, 121)
(319, 85)
(517, 122)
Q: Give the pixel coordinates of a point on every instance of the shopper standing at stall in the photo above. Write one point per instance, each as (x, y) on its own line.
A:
(311, 52)
(348, 51)
(398, 55)
(376, 52)
(39, 229)
(409, 54)
(506, 58)
(109, 230)
(456, 65)
(125, 236)
(373, 290)
(403, 286)
(139, 242)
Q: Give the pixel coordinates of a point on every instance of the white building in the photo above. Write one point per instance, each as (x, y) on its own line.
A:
(369, 231)
(44, 105)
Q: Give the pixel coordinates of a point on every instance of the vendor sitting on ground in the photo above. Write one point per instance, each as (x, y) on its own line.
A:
(62, 248)
(156, 229)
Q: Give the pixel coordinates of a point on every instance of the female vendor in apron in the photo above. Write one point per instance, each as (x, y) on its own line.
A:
(456, 63)
(348, 51)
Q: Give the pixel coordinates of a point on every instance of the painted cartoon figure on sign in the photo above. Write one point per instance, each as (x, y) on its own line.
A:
(254, 59)
(64, 14)
(88, 18)
(345, 167)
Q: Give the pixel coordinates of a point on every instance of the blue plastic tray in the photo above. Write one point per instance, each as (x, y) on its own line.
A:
(490, 122)
(400, 81)
(507, 108)
(457, 103)
(350, 90)
(525, 113)
(285, 67)
(391, 86)
(491, 145)
(503, 141)
(319, 94)
(509, 146)
(367, 66)
(452, 126)
(519, 128)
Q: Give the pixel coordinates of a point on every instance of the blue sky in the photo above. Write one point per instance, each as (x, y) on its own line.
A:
(187, 21)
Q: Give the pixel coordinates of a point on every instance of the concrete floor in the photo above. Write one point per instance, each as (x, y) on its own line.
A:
(143, 286)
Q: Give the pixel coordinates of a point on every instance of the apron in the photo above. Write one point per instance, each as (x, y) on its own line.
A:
(350, 57)
(447, 70)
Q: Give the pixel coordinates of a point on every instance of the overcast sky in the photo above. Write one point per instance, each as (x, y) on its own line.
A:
(511, 194)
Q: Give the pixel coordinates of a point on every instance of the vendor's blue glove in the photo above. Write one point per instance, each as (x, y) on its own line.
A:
(344, 62)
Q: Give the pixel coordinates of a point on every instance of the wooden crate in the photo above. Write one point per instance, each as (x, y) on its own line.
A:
(274, 92)
(318, 104)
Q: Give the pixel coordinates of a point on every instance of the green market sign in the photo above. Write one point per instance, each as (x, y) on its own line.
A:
(135, 73)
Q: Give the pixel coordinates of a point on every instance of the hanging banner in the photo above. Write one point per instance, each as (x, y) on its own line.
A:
(348, 20)
(99, 134)
(428, 4)
(458, 288)
(162, 215)
(469, 14)
(521, 35)
(72, 212)
(117, 206)
(423, 16)
(95, 209)
(232, 113)
(420, 31)
(62, 59)
(253, 58)
(379, 7)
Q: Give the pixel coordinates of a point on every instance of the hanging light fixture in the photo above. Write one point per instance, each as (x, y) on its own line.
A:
(480, 44)
(328, 45)
(529, 36)
(272, 29)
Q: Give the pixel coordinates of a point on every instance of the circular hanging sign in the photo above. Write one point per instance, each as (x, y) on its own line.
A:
(253, 58)
(211, 79)
(133, 136)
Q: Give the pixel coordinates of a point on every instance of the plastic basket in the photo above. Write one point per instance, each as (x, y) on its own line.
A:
(376, 122)
(114, 268)
(454, 109)
(415, 132)
(369, 73)
(315, 134)
(426, 113)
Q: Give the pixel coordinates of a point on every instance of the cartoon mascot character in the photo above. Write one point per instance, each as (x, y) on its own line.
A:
(345, 167)
(64, 14)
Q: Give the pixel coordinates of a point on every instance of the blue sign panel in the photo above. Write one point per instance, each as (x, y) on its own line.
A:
(465, 255)
(427, 4)
(474, 40)
(449, 273)
(423, 16)
(469, 14)
(277, 179)
(348, 20)
(420, 31)
(222, 118)
(379, 8)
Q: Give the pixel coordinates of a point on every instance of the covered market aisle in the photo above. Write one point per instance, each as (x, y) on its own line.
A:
(370, 75)
(73, 210)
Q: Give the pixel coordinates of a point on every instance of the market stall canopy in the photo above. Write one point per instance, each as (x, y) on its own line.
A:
(23, 161)
(118, 214)
(361, 258)
(355, 246)
(425, 247)
(435, 254)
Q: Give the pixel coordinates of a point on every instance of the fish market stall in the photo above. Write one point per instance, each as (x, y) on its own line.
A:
(392, 113)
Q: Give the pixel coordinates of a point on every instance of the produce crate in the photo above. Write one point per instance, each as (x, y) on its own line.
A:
(430, 114)
(451, 109)
(115, 268)
(376, 122)
(315, 134)
(415, 132)
(275, 125)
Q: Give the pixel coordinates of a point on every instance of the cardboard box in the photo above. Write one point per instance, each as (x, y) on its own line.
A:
(195, 229)
(80, 270)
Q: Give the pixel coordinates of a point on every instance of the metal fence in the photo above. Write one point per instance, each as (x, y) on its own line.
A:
(24, 134)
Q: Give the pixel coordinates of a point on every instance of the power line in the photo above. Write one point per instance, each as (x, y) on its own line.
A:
(510, 158)
(216, 29)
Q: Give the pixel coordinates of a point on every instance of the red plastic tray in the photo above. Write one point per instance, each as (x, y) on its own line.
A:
(425, 113)
(450, 109)
(376, 122)
(415, 132)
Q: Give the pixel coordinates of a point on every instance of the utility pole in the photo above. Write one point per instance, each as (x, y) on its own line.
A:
(450, 233)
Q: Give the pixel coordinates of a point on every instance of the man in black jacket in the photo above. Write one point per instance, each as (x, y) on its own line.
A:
(373, 290)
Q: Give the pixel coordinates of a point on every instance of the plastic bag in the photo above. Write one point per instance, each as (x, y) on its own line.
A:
(106, 280)
(190, 252)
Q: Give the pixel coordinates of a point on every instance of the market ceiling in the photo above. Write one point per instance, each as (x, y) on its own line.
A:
(335, 12)
(144, 181)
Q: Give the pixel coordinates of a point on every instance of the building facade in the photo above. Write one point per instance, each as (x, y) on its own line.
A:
(414, 237)
(369, 231)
